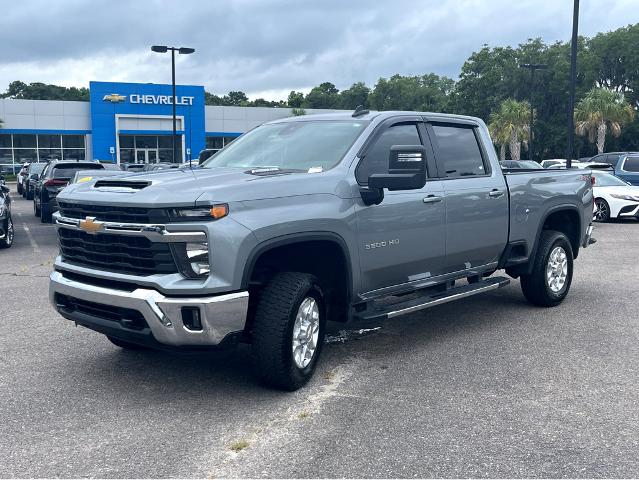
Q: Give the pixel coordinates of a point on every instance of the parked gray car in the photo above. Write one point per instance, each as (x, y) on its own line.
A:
(308, 219)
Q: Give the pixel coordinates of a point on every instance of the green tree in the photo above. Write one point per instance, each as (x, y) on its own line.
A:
(599, 110)
(426, 93)
(354, 96)
(323, 96)
(511, 124)
(295, 99)
(42, 91)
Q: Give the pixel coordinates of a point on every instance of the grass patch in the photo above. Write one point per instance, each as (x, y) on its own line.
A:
(239, 445)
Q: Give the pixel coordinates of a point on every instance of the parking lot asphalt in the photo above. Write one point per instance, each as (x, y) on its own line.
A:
(485, 387)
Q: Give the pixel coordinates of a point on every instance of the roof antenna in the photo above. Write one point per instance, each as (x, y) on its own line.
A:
(359, 111)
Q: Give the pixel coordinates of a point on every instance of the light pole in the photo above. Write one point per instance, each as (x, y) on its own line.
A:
(532, 67)
(183, 51)
(573, 81)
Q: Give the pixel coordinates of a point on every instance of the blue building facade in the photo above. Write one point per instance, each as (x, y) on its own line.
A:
(132, 122)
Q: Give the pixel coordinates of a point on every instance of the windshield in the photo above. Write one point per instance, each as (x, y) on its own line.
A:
(607, 180)
(303, 146)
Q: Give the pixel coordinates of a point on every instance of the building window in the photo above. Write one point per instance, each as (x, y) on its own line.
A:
(20, 148)
(216, 143)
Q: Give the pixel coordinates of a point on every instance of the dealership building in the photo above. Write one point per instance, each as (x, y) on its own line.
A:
(122, 123)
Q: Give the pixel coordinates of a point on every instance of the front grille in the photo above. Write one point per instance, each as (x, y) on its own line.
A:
(107, 213)
(116, 253)
(127, 317)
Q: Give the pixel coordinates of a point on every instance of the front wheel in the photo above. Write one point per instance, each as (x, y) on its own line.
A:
(551, 276)
(288, 330)
(7, 240)
(36, 209)
(602, 210)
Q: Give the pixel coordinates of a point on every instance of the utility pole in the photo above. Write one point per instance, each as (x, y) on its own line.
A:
(573, 81)
(532, 67)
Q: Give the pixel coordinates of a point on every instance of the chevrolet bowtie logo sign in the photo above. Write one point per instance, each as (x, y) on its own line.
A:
(114, 98)
(90, 225)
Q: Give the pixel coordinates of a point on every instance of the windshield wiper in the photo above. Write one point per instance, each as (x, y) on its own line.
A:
(272, 170)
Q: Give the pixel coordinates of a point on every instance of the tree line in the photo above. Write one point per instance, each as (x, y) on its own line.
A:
(489, 77)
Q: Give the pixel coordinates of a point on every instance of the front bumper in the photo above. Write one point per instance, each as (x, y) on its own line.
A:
(221, 315)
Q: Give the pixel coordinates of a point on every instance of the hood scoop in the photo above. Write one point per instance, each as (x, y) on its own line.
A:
(121, 185)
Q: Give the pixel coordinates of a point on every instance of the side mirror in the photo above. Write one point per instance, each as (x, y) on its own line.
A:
(406, 171)
(34, 176)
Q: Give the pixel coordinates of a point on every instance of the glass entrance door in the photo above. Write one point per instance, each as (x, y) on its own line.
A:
(146, 155)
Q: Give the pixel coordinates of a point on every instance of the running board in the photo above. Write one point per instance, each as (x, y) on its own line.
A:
(417, 304)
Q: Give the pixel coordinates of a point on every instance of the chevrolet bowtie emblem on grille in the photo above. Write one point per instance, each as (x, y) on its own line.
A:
(114, 98)
(89, 225)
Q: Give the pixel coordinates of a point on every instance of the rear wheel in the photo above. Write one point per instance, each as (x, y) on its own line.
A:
(551, 276)
(602, 210)
(126, 345)
(7, 241)
(288, 330)
(19, 187)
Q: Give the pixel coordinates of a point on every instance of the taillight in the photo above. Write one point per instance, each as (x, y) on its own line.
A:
(592, 180)
(55, 183)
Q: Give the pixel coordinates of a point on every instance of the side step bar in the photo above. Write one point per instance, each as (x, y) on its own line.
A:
(417, 304)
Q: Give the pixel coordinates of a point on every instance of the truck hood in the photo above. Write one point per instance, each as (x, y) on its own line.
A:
(185, 187)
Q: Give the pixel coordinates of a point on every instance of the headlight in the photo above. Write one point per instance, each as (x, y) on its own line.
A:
(213, 212)
(631, 198)
(192, 258)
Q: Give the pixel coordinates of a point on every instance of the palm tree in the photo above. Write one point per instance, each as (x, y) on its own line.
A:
(510, 125)
(599, 109)
(498, 133)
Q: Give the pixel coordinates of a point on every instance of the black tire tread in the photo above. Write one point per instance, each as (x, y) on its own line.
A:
(270, 328)
(533, 286)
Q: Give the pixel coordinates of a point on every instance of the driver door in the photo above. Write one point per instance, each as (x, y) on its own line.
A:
(402, 239)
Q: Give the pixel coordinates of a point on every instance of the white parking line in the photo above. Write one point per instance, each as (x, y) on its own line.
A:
(32, 241)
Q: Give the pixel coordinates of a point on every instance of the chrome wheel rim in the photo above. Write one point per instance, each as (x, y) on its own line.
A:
(557, 269)
(601, 213)
(306, 332)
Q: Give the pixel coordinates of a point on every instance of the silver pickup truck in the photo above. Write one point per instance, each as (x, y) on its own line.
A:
(330, 217)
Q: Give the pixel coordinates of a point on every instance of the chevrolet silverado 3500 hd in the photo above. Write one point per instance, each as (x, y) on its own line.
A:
(309, 219)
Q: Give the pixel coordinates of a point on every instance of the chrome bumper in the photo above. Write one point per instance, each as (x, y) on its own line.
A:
(220, 315)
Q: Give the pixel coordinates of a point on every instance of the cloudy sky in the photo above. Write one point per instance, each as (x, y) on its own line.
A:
(269, 47)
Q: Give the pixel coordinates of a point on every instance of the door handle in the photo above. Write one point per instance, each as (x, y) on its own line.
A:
(432, 199)
(495, 193)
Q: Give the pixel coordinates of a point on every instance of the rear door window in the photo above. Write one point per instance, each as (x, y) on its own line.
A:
(631, 164)
(612, 159)
(457, 151)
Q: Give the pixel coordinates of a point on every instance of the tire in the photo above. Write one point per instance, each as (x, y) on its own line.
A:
(602, 210)
(19, 188)
(543, 287)
(45, 213)
(7, 241)
(286, 297)
(36, 209)
(29, 195)
(126, 345)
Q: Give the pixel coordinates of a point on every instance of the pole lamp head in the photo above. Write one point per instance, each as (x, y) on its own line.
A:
(186, 50)
(159, 48)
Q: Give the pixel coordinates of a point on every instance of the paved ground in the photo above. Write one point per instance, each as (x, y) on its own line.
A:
(488, 387)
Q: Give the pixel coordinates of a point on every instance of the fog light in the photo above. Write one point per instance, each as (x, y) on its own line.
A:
(198, 257)
(191, 318)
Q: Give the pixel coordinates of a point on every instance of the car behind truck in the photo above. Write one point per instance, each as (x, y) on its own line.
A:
(310, 219)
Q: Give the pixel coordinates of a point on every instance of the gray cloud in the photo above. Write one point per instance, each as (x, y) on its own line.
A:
(273, 46)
